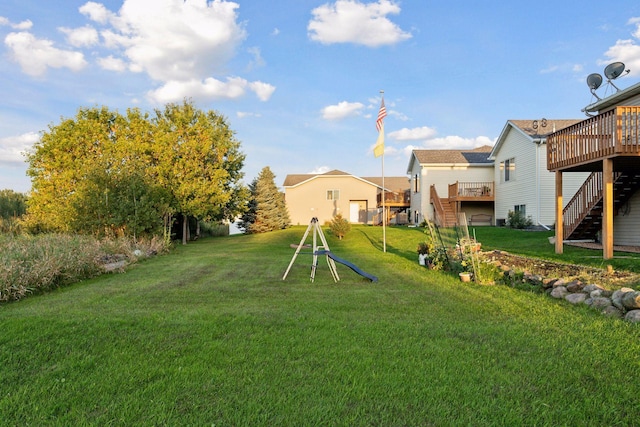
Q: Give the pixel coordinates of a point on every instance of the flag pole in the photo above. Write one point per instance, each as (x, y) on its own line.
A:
(384, 207)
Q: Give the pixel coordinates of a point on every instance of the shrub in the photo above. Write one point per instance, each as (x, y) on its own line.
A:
(340, 226)
(516, 219)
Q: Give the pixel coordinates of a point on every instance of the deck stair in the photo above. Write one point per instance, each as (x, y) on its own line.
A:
(445, 214)
(582, 216)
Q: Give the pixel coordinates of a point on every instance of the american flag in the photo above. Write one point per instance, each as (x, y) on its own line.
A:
(381, 115)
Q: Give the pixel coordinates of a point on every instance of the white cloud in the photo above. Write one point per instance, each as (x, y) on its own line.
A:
(243, 114)
(13, 147)
(627, 51)
(453, 142)
(24, 25)
(318, 170)
(350, 21)
(342, 110)
(415, 134)
(262, 90)
(112, 64)
(83, 36)
(180, 44)
(36, 55)
(96, 12)
(173, 39)
(210, 88)
(258, 60)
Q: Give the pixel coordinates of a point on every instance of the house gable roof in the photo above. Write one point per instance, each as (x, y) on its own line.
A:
(294, 180)
(476, 156)
(532, 130)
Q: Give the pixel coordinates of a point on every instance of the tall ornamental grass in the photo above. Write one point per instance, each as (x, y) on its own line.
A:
(30, 264)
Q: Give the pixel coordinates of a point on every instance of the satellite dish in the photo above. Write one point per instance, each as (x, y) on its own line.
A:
(594, 81)
(614, 70)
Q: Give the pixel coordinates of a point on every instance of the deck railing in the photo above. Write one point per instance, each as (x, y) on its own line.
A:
(441, 217)
(582, 202)
(471, 191)
(400, 197)
(615, 132)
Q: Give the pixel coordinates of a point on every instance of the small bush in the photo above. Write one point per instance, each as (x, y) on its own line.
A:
(518, 220)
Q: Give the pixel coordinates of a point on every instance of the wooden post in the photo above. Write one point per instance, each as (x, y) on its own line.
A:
(559, 218)
(607, 213)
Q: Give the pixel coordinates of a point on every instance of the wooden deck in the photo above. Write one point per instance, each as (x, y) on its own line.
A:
(395, 199)
(471, 191)
(582, 147)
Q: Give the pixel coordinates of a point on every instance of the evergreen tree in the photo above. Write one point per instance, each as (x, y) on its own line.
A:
(340, 226)
(267, 210)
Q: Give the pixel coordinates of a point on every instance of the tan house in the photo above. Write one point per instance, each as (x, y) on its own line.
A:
(606, 145)
(447, 182)
(358, 199)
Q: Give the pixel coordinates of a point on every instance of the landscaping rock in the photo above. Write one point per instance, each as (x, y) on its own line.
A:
(577, 298)
(559, 292)
(534, 279)
(600, 302)
(631, 300)
(575, 286)
(612, 311)
(616, 297)
(622, 303)
(632, 316)
(592, 288)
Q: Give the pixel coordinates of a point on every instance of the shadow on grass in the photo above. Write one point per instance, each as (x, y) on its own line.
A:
(401, 252)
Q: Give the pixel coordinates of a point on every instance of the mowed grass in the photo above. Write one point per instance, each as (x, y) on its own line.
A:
(211, 335)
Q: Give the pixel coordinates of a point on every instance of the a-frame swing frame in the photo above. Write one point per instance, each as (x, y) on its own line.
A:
(324, 248)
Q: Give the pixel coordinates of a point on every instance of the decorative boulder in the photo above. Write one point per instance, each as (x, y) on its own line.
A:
(576, 298)
(559, 292)
(600, 302)
(616, 298)
(631, 300)
(575, 286)
(612, 311)
(632, 316)
(592, 287)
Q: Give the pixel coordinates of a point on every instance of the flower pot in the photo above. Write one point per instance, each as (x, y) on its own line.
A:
(465, 277)
(422, 259)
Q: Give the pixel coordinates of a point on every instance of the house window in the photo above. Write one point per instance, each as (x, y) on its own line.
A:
(416, 183)
(521, 208)
(508, 170)
(333, 194)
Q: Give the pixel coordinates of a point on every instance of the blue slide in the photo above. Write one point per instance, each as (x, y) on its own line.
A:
(348, 264)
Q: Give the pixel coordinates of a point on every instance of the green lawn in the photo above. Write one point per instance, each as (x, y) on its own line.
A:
(211, 335)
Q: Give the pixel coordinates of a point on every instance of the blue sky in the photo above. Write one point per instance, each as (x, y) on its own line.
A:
(300, 80)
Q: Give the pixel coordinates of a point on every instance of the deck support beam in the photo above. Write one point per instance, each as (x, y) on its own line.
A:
(559, 217)
(607, 212)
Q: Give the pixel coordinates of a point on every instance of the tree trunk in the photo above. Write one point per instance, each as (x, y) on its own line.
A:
(185, 229)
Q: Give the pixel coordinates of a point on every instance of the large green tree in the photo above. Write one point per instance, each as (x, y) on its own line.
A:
(199, 164)
(12, 204)
(104, 172)
(267, 207)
